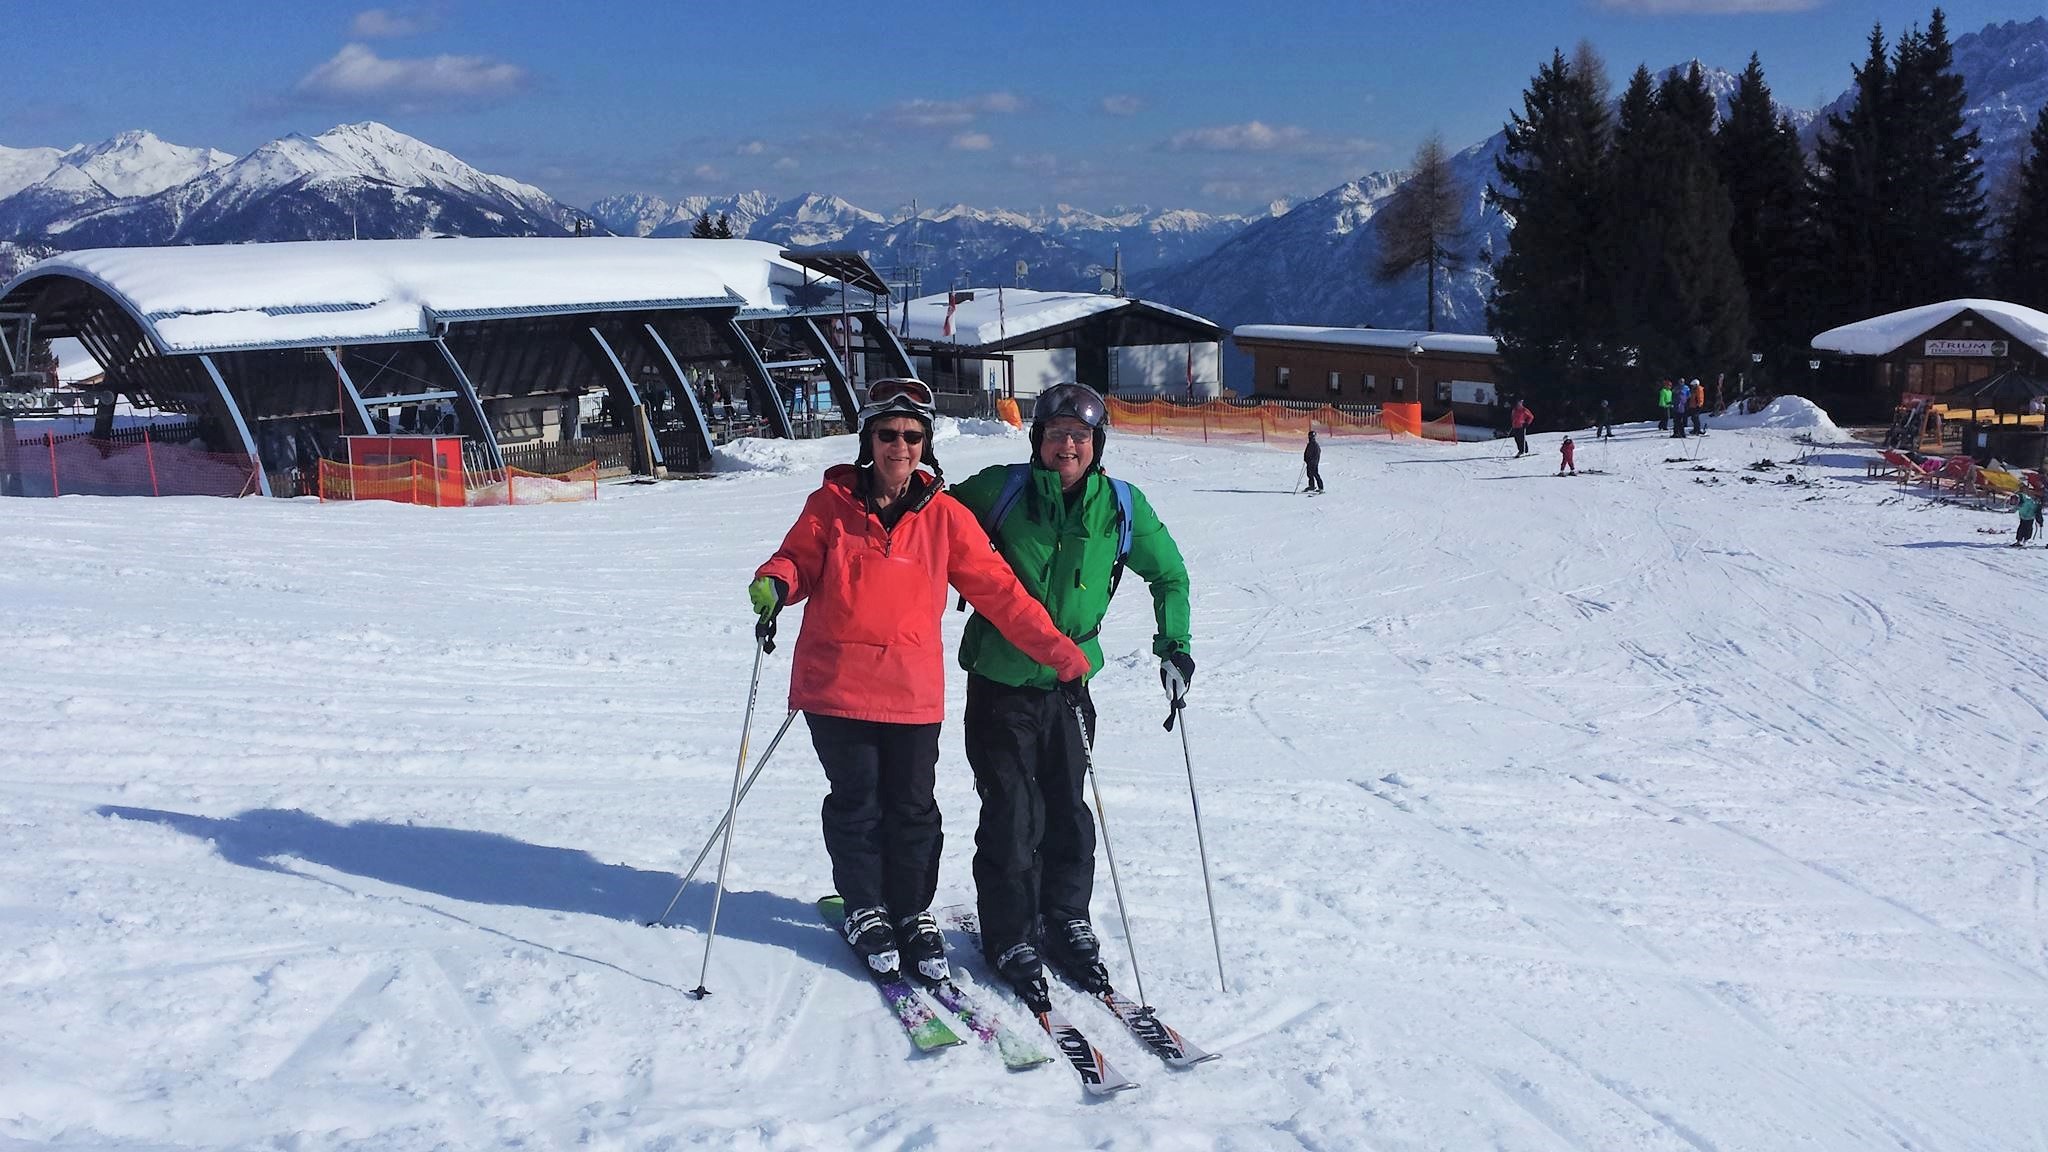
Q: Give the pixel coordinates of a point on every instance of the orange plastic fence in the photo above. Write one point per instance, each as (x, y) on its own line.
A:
(416, 482)
(1266, 423)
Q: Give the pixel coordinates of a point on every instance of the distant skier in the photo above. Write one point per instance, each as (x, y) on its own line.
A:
(1698, 399)
(1059, 520)
(1566, 462)
(1680, 396)
(1663, 405)
(2030, 517)
(1604, 429)
(1518, 423)
(873, 551)
(1312, 461)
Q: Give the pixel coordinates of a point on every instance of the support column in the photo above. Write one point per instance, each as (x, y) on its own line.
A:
(348, 385)
(764, 384)
(680, 383)
(487, 439)
(873, 325)
(655, 464)
(842, 382)
(234, 410)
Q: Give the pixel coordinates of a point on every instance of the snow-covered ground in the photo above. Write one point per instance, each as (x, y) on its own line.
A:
(1651, 809)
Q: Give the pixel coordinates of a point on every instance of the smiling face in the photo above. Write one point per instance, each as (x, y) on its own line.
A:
(1068, 448)
(895, 461)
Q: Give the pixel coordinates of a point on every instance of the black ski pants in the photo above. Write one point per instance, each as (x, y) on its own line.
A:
(1521, 441)
(1034, 853)
(881, 822)
(1315, 477)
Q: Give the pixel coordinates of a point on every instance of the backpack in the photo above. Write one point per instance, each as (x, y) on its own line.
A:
(1014, 481)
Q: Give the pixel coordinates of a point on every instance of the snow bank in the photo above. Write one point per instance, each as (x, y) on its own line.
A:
(752, 454)
(1789, 413)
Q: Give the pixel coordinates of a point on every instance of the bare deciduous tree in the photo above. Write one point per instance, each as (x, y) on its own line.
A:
(1422, 222)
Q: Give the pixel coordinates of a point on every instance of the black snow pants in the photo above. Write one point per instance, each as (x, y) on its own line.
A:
(1315, 477)
(881, 823)
(2026, 532)
(1521, 441)
(1034, 853)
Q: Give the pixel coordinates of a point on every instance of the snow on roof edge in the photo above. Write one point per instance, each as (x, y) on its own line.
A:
(998, 315)
(1880, 335)
(1396, 338)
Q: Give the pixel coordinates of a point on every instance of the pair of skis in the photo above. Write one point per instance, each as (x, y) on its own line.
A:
(1097, 1075)
(930, 1031)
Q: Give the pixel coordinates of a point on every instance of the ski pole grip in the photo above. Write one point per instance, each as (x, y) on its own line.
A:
(764, 633)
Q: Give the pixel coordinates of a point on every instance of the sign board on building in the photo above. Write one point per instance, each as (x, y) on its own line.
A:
(1965, 348)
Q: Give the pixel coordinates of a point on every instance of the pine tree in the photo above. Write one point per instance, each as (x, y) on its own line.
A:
(1632, 246)
(723, 229)
(702, 228)
(1852, 261)
(1700, 309)
(1936, 196)
(2022, 267)
(1421, 224)
(1550, 307)
(1757, 151)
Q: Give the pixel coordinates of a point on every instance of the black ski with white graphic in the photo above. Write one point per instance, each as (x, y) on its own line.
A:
(1098, 1077)
(1155, 1034)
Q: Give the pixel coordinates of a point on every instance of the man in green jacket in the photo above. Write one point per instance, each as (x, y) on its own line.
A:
(1059, 521)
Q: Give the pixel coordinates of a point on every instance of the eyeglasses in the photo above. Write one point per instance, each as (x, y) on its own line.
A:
(1069, 435)
(911, 436)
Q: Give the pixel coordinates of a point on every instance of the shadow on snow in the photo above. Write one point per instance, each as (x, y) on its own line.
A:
(487, 868)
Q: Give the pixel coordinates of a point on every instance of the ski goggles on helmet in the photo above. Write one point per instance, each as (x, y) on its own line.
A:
(901, 396)
(1076, 400)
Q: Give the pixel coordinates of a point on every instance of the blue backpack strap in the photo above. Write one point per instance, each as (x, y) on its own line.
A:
(1012, 491)
(1126, 527)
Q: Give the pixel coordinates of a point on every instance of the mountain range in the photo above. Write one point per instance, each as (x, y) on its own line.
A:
(1304, 263)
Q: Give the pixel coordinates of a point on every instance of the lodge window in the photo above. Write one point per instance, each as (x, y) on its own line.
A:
(1443, 391)
(1372, 383)
(1400, 387)
(1336, 383)
(1280, 381)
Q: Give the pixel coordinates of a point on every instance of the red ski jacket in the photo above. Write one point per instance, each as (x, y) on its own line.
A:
(1522, 417)
(870, 647)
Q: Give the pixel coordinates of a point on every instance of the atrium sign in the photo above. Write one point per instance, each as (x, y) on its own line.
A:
(1993, 348)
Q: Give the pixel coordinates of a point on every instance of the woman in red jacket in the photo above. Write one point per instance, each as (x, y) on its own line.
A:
(873, 551)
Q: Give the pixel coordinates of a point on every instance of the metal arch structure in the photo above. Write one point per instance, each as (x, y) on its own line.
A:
(284, 392)
(656, 466)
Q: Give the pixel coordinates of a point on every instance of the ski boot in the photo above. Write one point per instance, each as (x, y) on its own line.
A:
(867, 929)
(1021, 969)
(923, 948)
(1071, 947)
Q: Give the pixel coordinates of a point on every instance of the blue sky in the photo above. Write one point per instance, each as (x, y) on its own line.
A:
(1203, 105)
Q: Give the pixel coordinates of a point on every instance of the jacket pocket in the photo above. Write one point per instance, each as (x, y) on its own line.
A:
(888, 600)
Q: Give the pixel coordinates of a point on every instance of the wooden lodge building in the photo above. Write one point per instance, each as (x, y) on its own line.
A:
(1443, 371)
(1873, 366)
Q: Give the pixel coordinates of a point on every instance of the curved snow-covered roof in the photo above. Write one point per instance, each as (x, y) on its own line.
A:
(1393, 338)
(993, 317)
(1883, 334)
(210, 298)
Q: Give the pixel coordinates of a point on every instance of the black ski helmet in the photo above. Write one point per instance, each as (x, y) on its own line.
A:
(1069, 399)
(898, 396)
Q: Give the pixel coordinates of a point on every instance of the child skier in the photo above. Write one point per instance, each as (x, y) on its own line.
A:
(2030, 515)
(1567, 462)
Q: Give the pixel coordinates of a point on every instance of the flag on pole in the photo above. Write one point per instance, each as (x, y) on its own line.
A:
(1191, 371)
(1002, 325)
(952, 302)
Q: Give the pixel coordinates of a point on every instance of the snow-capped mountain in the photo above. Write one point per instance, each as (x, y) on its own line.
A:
(363, 179)
(133, 164)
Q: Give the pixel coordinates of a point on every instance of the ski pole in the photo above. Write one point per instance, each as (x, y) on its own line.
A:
(716, 832)
(1201, 847)
(1299, 473)
(1116, 885)
(764, 637)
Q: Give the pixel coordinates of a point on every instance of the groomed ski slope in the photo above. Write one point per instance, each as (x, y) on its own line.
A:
(1646, 810)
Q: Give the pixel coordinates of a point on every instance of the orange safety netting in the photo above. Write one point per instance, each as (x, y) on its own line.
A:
(417, 482)
(1218, 420)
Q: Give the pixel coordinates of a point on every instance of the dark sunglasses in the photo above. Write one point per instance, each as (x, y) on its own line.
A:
(909, 435)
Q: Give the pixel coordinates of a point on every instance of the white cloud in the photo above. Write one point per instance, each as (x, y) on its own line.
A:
(391, 23)
(708, 172)
(1258, 136)
(1708, 7)
(751, 148)
(971, 142)
(786, 164)
(357, 75)
(953, 113)
(1122, 105)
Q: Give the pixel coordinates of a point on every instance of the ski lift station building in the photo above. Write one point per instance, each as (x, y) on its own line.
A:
(1016, 342)
(278, 350)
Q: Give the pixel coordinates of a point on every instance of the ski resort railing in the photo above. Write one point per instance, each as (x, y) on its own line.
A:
(131, 462)
(417, 482)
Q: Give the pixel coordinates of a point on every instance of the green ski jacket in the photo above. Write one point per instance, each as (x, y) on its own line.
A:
(1064, 554)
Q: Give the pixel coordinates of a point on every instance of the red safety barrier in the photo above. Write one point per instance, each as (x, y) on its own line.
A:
(79, 465)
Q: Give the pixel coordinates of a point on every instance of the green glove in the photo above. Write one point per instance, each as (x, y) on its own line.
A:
(766, 593)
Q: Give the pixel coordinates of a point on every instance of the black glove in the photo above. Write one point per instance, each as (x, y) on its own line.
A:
(1176, 672)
